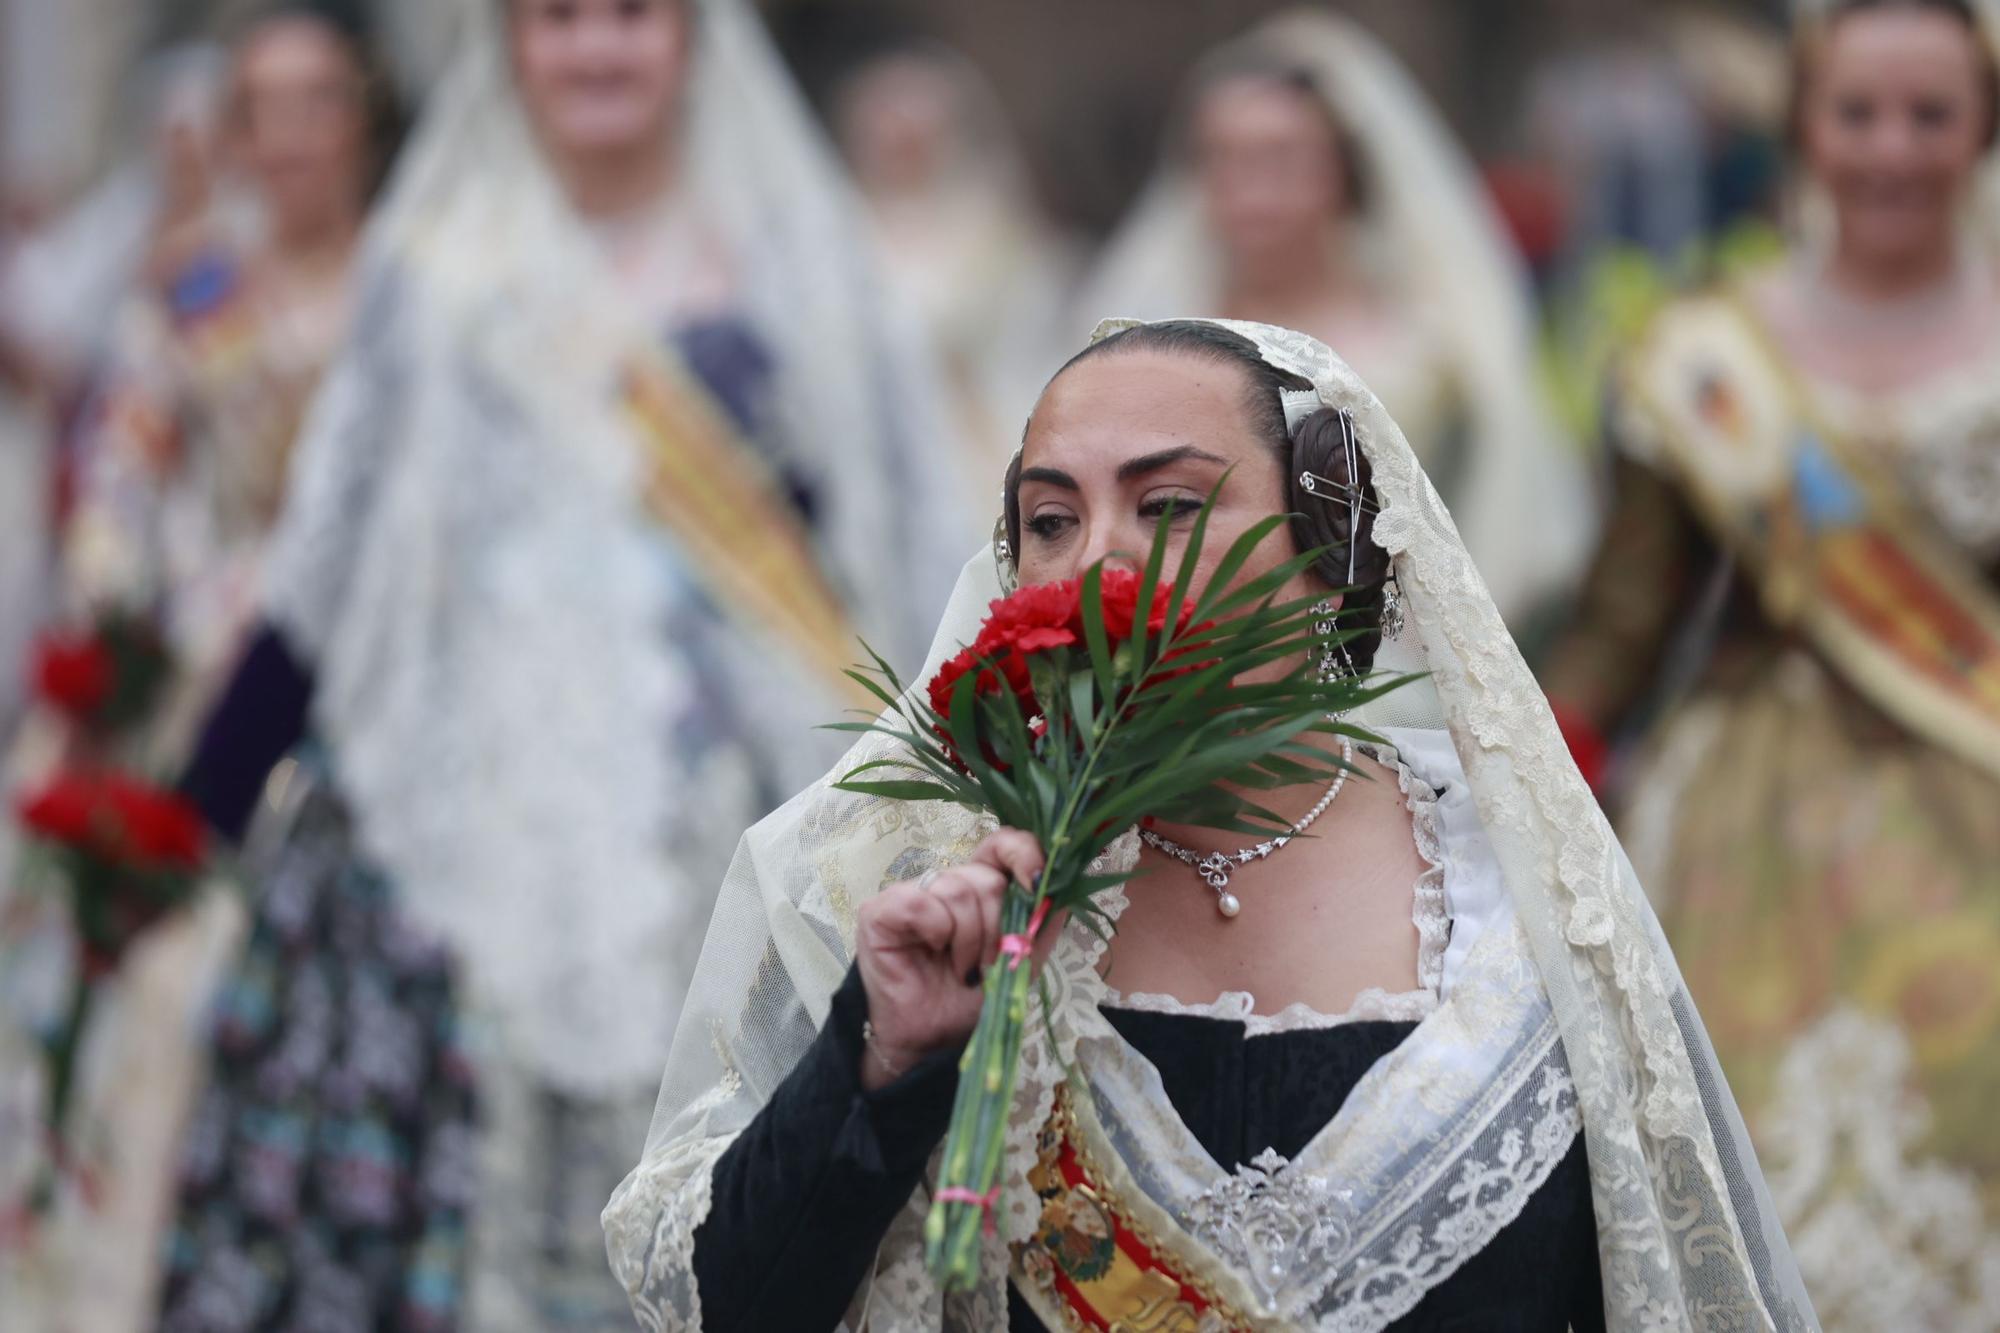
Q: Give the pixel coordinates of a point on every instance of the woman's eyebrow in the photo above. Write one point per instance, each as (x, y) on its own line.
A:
(1144, 463)
(1050, 475)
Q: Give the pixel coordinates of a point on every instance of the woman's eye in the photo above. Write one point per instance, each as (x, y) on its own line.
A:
(1933, 115)
(1048, 527)
(1170, 506)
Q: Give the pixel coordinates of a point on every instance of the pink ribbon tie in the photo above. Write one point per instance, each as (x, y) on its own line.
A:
(984, 1202)
(1016, 947)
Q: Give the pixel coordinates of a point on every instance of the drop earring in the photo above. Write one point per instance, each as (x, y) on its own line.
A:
(1004, 567)
(1393, 614)
(1335, 662)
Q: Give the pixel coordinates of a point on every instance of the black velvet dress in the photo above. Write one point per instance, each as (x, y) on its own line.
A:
(803, 1197)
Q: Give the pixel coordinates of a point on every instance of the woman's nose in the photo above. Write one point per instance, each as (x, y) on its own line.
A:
(1892, 142)
(1114, 547)
(598, 38)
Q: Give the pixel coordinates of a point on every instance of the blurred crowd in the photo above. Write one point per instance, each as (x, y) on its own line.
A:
(447, 452)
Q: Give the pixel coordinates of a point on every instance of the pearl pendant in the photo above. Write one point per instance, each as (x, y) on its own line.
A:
(1228, 905)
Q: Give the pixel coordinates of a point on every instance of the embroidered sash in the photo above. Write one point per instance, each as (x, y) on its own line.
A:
(1091, 1264)
(745, 539)
(1839, 552)
(207, 319)
(208, 304)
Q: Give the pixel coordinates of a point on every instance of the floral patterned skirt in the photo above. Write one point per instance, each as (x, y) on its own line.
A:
(367, 1156)
(328, 1172)
(1831, 888)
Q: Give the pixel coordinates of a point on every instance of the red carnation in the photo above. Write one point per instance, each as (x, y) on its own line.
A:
(1033, 620)
(1045, 618)
(64, 811)
(1003, 666)
(74, 673)
(947, 678)
(945, 682)
(118, 819)
(159, 829)
(1121, 605)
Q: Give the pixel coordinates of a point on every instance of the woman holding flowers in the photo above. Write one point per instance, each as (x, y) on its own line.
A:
(1416, 1058)
(199, 401)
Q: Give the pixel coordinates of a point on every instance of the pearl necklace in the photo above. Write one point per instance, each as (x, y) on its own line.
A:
(1216, 867)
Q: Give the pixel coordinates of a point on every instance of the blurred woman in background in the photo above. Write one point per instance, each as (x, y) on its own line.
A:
(620, 449)
(244, 300)
(1313, 186)
(965, 240)
(242, 254)
(64, 279)
(1797, 590)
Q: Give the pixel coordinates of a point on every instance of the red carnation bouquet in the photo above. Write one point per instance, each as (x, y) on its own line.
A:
(125, 853)
(105, 679)
(1081, 708)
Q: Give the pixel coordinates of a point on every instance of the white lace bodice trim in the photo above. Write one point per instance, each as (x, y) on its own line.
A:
(1373, 1005)
(1428, 911)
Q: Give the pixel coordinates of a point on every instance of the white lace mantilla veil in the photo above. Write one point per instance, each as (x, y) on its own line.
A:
(465, 558)
(1989, 201)
(1687, 1236)
(1435, 240)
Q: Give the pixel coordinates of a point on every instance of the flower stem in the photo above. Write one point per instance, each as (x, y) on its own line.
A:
(976, 1144)
(61, 1049)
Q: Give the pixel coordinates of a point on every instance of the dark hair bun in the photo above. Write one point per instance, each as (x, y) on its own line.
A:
(1327, 516)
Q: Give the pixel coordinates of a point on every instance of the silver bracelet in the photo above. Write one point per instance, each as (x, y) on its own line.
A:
(868, 1045)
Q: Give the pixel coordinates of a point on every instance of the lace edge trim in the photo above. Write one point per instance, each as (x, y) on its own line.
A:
(1479, 1220)
(1373, 1005)
(649, 1226)
(1429, 912)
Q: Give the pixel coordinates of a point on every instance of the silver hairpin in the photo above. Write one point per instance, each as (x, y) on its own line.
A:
(1352, 446)
(1327, 488)
(1313, 483)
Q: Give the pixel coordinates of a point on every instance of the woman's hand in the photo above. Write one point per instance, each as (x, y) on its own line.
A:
(917, 942)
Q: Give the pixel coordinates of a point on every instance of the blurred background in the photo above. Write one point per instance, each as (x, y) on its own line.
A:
(1087, 110)
(448, 446)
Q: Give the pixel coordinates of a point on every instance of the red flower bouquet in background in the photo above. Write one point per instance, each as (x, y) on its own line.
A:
(122, 853)
(105, 679)
(72, 673)
(1080, 708)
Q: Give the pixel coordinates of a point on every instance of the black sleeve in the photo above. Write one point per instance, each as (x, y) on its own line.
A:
(800, 1202)
(259, 718)
(1586, 1313)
